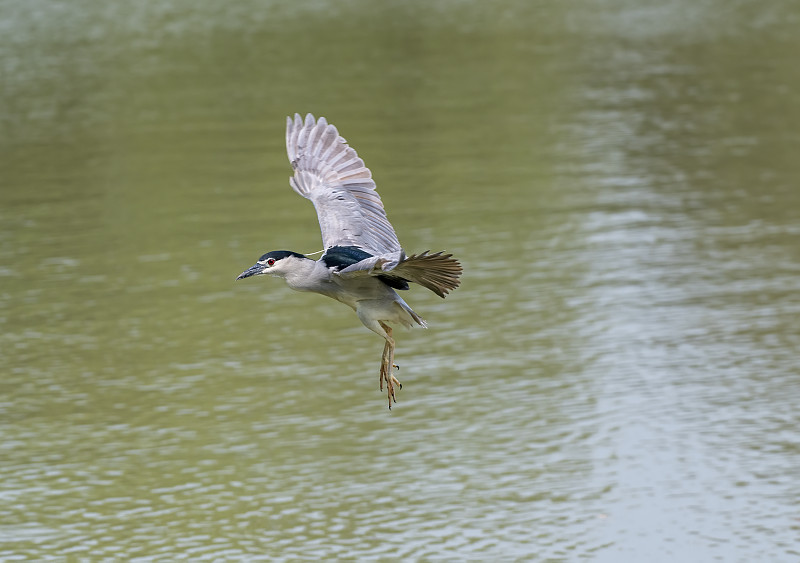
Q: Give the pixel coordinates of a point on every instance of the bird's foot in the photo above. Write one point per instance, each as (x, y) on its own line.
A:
(391, 382)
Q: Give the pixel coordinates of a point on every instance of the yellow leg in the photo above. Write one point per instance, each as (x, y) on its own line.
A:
(387, 363)
(383, 364)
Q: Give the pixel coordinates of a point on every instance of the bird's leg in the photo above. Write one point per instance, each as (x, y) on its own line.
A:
(387, 363)
(390, 364)
(383, 364)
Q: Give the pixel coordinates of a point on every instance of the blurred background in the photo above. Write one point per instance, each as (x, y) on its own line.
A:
(616, 380)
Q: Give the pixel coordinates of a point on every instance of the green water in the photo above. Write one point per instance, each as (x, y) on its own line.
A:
(616, 379)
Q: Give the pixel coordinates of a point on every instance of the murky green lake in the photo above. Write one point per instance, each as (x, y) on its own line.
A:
(617, 379)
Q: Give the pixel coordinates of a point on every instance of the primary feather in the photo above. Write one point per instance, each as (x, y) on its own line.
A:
(329, 172)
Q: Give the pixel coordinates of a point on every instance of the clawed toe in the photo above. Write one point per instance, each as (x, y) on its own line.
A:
(391, 382)
(387, 363)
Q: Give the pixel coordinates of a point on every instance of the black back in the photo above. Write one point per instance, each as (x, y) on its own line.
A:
(341, 257)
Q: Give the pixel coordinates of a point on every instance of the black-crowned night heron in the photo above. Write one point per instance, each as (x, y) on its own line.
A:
(363, 262)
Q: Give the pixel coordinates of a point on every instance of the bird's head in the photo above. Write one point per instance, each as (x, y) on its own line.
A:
(275, 263)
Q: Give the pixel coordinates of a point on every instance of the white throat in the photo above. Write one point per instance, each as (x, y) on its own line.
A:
(298, 273)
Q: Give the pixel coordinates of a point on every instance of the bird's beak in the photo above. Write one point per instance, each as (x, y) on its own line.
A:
(255, 270)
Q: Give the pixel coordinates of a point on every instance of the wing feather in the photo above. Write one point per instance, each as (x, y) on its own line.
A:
(330, 173)
(438, 272)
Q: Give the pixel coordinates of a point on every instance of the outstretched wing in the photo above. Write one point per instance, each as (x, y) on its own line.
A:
(329, 173)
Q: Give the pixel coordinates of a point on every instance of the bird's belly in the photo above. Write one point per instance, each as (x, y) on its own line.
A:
(380, 310)
(359, 300)
(373, 300)
(356, 293)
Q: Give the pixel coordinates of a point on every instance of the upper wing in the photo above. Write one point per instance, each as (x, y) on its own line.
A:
(329, 173)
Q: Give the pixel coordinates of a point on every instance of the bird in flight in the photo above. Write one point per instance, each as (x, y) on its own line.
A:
(362, 263)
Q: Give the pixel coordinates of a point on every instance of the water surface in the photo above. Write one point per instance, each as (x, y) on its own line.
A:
(616, 380)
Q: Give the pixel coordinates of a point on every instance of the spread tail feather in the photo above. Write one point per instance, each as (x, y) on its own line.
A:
(438, 272)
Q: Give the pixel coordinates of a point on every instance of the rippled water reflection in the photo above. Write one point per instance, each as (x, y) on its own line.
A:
(615, 381)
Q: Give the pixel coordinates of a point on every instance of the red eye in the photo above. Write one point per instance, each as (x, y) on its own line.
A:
(270, 261)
